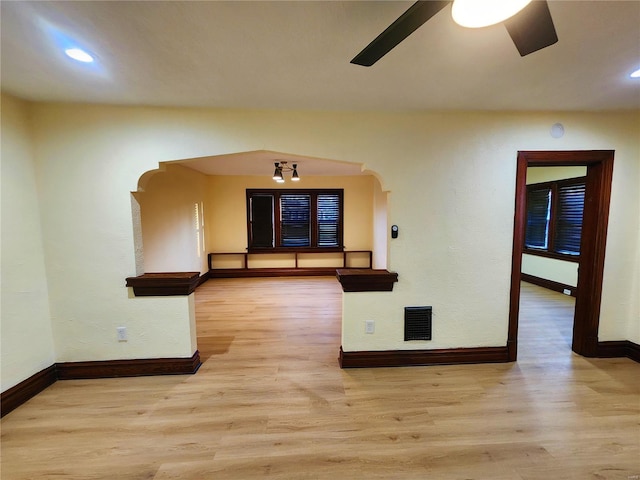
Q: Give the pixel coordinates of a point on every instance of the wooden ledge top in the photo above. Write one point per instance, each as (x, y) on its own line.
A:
(366, 280)
(164, 284)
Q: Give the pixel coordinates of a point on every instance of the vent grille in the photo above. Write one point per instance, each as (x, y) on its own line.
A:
(417, 323)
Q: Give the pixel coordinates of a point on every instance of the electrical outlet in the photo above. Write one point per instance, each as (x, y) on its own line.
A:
(369, 326)
(122, 334)
(566, 291)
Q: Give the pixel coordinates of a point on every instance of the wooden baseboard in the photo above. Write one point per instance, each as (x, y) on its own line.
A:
(550, 284)
(612, 349)
(23, 391)
(619, 348)
(404, 358)
(129, 368)
(203, 278)
(20, 393)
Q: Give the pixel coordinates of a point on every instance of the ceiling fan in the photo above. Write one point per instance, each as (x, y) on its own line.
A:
(531, 29)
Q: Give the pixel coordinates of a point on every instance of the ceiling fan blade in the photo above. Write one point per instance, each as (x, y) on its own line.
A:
(395, 33)
(532, 29)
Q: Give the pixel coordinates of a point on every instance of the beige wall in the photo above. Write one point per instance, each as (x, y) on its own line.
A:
(549, 174)
(171, 211)
(381, 235)
(27, 342)
(85, 162)
(226, 208)
(553, 269)
(454, 248)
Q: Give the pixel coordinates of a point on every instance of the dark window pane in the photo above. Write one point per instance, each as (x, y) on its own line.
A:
(569, 219)
(262, 221)
(538, 213)
(295, 216)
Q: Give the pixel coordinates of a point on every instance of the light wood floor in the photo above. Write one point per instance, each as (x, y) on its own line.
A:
(271, 403)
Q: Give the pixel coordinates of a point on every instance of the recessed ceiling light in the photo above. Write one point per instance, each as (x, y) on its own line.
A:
(79, 55)
(482, 13)
(635, 74)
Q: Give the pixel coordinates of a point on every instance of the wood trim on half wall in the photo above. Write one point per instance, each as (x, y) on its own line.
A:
(405, 358)
(599, 165)
(164, 284)
(366, 280)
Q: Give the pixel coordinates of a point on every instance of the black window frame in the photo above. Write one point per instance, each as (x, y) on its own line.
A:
(276, 220)
(554, 188)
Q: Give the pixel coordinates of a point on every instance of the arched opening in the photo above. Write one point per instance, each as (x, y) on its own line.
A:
(188, 209)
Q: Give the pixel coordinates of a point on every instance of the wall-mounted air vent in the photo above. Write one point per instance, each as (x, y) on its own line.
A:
(417, 323)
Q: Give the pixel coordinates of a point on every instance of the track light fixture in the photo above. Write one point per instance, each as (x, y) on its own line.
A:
(281, 167)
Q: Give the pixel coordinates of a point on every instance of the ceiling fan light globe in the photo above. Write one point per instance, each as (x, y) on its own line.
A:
(482, 13)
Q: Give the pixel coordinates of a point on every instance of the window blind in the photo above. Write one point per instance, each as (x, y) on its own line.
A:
(328, 217)
(568, 228)
(295, 215)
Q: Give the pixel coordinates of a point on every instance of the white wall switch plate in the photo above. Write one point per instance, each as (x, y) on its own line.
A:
(122, 334)
(369, 326)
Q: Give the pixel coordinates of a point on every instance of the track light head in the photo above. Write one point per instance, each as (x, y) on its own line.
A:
(281, 167)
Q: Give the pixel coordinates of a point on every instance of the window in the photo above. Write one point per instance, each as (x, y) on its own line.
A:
(294, 219)
(554, 218)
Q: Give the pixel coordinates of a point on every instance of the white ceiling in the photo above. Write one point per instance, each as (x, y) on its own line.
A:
(295, 55)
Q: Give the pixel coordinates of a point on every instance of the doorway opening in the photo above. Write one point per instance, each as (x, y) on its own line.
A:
(555, 205)
(599, 165)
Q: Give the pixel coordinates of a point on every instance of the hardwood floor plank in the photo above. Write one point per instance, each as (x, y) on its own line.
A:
(270, 402)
